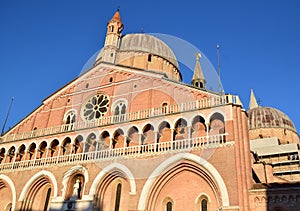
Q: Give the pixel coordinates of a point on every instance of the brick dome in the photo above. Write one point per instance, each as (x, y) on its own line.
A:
(266, 117)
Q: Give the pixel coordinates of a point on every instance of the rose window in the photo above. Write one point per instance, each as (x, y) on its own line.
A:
(95, 107)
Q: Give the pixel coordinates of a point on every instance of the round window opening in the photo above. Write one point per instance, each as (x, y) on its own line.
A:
(95, 107)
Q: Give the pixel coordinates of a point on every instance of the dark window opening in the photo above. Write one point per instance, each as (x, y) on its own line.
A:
(201, 85)
(87, 85)
(118, 197)
(111, 55)
(110, 79)
(149, 58)
(47, 199)
(111, 28)
(204, 205)
(169, 206)
(164, 108)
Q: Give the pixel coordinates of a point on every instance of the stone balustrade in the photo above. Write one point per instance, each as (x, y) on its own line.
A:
(154, 149)
(132, 116)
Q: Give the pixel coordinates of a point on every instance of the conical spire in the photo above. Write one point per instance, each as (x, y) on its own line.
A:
(253, 102)
(198, 77)
(117, 18)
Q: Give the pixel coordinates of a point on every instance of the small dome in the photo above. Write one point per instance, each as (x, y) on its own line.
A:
(266, 117)
(148, 44)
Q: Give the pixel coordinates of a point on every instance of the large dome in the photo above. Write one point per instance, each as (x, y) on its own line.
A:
(148, 44)
(266, 117)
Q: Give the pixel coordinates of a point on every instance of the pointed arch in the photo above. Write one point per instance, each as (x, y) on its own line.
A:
(12, 188)
(172, 160)
(110, 168)
(34, 178)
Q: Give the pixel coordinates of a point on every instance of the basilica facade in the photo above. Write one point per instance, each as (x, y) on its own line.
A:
(128, 134)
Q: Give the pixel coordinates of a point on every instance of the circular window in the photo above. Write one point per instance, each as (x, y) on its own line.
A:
(95, 107)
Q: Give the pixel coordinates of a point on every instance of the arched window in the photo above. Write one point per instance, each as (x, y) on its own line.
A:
(111, 28)
(201, 85)
(164, 108)
(70, 117)
(118, 197)
(204, 205)
(169, 206)
(120, 111)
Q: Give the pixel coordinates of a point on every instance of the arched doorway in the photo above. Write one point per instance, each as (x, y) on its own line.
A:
(39, 194)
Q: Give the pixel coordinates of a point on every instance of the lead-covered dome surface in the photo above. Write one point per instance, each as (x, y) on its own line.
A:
(266, 117)
(148, 44)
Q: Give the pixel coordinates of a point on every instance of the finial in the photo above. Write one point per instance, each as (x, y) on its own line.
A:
(198, 56)
(118, 8)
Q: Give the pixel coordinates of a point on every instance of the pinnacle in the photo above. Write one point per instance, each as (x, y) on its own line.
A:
(253, 102)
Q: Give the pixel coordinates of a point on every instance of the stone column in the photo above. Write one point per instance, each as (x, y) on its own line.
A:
(207, 131)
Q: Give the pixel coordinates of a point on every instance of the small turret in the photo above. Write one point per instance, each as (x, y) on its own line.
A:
(198, 77)
(112, 39)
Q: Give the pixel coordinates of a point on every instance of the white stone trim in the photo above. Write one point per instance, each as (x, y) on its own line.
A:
(200, 195)
(12, 187)
(181, 156)
(109, 168)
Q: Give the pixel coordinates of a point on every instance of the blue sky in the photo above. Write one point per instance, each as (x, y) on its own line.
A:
(44, 45)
